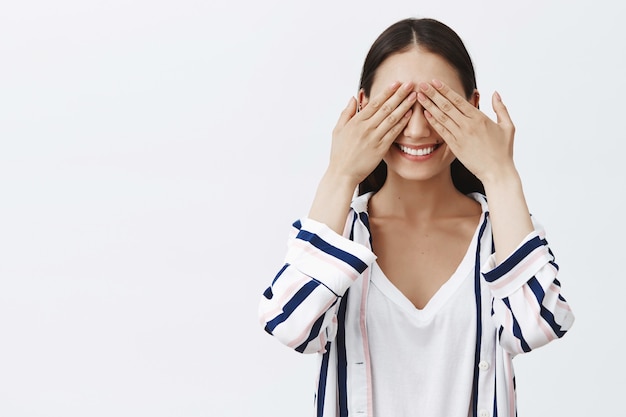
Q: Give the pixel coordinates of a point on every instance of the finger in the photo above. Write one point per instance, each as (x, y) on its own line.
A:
(394, 131)
(391, 120)
(446, 109)
(392, 103)
(500, 109)
(347, 113)
(459, 102)
(377, 102)
(437, 114)
(445, 133)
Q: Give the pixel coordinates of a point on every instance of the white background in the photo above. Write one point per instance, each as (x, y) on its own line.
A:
(154, 153)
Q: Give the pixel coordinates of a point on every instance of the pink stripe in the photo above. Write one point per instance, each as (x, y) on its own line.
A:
(508, 325)
(307, 329)
(366, 346)
(348, 271)
(532, 301)
(286, 296)
(323, 342)
(561, 304)
(515, 273)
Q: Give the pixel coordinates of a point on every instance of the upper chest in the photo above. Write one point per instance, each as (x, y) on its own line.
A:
(419, 258)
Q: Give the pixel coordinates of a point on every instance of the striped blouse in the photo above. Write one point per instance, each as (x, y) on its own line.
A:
(317, 303)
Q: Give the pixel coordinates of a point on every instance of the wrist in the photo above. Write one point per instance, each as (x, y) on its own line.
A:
(506, 176)
(340, 181)
(332, 201)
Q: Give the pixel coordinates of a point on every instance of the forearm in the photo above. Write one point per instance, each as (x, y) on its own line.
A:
(508, 211)
(332, 201)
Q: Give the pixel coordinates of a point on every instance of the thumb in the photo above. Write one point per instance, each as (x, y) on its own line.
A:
(500, 109)
(347, 113)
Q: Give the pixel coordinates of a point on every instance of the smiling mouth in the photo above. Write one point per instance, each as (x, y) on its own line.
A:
(418, 152)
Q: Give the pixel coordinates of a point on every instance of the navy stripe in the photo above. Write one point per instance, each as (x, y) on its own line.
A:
(314, 333)
(548, 317)
(291, 305)
(515, 389)
(321, 387)
(297, 224)
(333, 251)
(495, 394)
(342, 361)
(535, 286)
(546, 314)
(280, 272)
(517, 331)
(513, 260)
(554, 264)
(354, 217)
(366, 221)
(479, 326)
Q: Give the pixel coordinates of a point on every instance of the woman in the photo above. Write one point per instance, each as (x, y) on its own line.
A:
(417, 294)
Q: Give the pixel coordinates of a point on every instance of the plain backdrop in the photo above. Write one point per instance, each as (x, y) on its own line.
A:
(153, 155)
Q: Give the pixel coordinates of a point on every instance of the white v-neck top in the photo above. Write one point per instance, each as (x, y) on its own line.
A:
(423, 359)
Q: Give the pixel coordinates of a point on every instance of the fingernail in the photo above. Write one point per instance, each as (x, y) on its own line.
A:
(497, 96)
(395, 84)
(437, 83)
(421, 97)
(408, 113)
(412, 96)
(424, 86)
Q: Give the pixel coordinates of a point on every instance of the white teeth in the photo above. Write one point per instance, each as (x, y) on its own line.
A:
(417, 152)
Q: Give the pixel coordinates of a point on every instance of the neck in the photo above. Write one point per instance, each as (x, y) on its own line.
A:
(416, 199)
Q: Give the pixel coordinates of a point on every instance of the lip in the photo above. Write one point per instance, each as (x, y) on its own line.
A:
(435, 145)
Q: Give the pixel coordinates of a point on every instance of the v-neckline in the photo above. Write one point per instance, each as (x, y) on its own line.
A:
(443, 293)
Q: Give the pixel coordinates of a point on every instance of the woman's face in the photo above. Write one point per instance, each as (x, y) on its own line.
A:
(418, 153)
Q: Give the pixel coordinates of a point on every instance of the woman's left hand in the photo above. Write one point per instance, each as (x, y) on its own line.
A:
(485, 147)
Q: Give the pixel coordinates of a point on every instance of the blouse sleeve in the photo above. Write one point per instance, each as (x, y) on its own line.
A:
(528, 307)
(300, 307)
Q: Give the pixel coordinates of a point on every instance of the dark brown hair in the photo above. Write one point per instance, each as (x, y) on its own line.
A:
(439, 39)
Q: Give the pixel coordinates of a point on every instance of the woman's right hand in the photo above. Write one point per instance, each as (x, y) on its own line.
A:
(361, 139)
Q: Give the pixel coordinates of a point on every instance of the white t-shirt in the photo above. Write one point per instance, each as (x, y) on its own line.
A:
(423, 360)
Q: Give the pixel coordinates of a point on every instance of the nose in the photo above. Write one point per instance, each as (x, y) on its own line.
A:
(418, 126)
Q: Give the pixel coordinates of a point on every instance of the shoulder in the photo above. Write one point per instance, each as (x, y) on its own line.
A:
(481, 199)
(359, 203)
